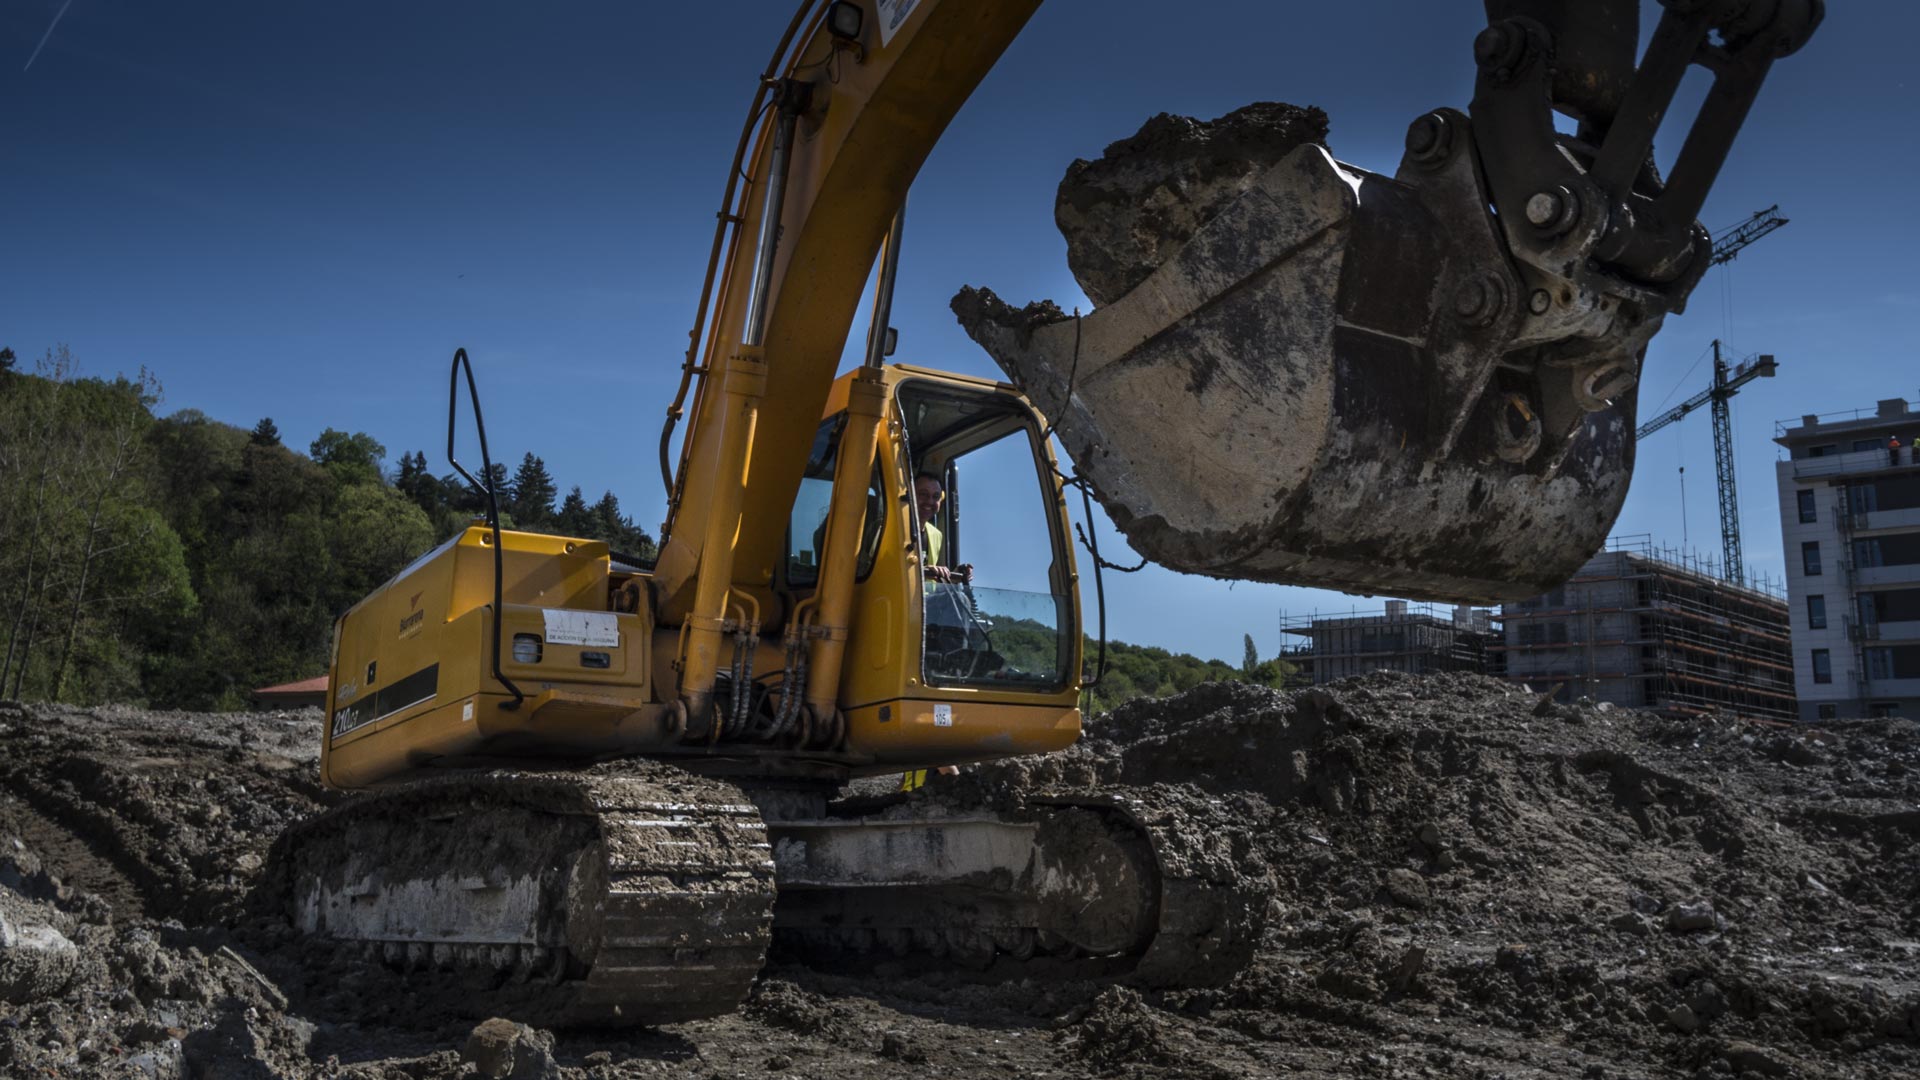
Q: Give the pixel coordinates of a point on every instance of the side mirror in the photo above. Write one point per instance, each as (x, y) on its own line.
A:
(891, 342)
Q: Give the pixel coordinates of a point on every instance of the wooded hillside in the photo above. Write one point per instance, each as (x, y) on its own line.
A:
(181, 562)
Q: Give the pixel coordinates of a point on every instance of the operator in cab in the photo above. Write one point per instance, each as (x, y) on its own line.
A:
(930, 494)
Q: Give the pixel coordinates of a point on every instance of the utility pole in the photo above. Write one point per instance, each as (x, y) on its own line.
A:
(1726, 383)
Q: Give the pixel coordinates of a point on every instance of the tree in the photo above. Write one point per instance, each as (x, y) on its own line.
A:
(608, 521)
(574, 518)
(353, 459)
(265, 433)
(618, 530)
(532, 492)
(416, 483)
(6, 364)
(1250, 660)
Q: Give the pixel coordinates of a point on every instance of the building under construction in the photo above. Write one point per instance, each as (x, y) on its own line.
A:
(1416, 638)
(1655, 629)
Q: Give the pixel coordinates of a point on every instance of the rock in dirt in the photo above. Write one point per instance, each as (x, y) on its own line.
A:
(1745, 1057)
(501, 1049)
(896, 1046)
(1685, 918)
(1408, 888)
(1145, 197)
(1632, 922)
(36, 960)
(1119, 1029)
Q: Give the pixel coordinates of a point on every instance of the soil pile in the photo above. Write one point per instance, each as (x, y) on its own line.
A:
(1126, 212)
(1459, 881)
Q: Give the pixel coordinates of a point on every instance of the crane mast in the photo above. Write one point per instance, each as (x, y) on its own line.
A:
(1727, 382)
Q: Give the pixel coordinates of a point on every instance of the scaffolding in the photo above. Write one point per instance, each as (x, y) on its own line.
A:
(1656, 628)
(1416, 638)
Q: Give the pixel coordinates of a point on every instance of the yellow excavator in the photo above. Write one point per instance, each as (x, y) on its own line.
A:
(593, 789)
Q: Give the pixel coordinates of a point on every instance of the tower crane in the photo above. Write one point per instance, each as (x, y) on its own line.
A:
(1726, 383)
(1727, 246)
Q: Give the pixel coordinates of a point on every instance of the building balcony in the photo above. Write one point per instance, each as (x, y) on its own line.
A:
(1888, 688)
(1894, 631)
(1859, 461)
(1887, 519)
(1870, 576)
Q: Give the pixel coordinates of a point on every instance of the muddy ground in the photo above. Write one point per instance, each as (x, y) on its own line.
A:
(1461, 882)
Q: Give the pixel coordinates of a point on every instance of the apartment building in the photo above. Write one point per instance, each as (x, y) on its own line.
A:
(1419, 639)
(1654, 629)
(1850, 523)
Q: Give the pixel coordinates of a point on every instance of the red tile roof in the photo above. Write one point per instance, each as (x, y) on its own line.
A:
(315, 685)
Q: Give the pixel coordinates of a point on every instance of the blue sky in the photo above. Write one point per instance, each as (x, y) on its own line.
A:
(298, 211)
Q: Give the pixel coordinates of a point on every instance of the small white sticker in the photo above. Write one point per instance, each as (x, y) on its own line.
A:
(466, 712)
(594, 629)
(892, 13)
(943, 716)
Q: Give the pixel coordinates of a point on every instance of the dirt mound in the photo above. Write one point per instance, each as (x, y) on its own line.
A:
(1457, 880)
(1144, 198)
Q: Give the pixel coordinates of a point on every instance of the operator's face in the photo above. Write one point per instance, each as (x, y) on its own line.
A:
(928, 494)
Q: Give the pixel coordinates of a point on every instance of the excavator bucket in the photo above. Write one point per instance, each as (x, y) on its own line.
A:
(1303, 372)
(1299, 371)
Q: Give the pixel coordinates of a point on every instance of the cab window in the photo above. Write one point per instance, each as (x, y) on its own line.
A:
(807, 527)
(996, 612)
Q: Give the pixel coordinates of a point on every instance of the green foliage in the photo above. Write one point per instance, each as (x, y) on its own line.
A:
(353, 459)
(89, 566)
(574, 519)
(1251, 658)
(1147, 671)
(532, 492)
(266, 433)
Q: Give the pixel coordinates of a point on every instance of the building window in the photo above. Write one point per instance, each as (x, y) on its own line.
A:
(1822, 666)
(1863, 498)
(1866, 444)
(1829, 711)
(1810, 557)
(1816, 612)
(1807, 513)
(1866, 553)
(1879, 663)
(1883, 709)
(1822, 450)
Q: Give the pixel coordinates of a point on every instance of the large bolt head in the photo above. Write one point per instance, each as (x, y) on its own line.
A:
(1543, 208)
(1553, 212)
(1491, 44)
(1499, 47)
(1540, 302)
(1429, 140)
(1479, 302)
(1470, 300)
(1423, 134)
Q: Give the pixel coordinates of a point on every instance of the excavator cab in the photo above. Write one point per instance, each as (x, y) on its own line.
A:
(997, 607)
(980, 587)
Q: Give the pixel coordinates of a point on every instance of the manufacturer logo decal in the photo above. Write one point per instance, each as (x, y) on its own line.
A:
(411, 624)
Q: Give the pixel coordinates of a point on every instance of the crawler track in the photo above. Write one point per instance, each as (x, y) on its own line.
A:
(634, 894)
